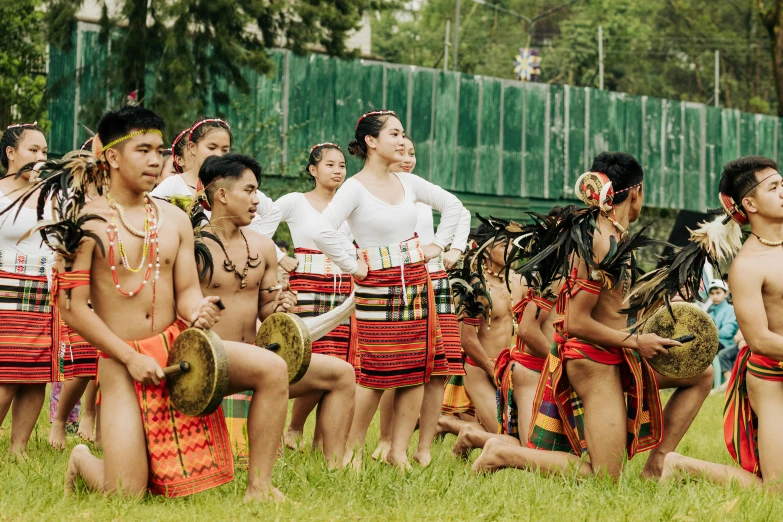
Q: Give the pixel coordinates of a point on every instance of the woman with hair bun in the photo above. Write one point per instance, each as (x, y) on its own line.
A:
(447, 321)
(399, 345)
(320, 285)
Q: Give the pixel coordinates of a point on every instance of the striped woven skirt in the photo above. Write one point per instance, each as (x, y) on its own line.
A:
(447, 320)
(80, 357)
(557, 423)
(321, 287)
(30, 348)
(398, 338)
(455, 398)
(740, 423)
(186, 454)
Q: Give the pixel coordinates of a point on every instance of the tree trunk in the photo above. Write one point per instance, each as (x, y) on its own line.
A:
(136, 47)
(772, 18)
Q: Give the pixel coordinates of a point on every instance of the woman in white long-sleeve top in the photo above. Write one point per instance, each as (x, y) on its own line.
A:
(447, 322)
(397, 331)
(320, 284)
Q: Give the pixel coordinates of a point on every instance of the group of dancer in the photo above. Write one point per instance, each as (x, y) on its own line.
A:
(512, 336)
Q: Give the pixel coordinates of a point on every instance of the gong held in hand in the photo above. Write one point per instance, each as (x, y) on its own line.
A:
(197, 367)
(690, 326)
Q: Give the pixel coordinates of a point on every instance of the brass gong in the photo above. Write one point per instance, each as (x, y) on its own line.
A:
(287, 336)
(694, 356)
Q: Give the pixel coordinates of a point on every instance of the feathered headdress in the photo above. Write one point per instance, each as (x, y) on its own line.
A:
(680, 272)
(468, 285)
(64, 184)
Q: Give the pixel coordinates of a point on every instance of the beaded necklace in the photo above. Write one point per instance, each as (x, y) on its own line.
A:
(150, 249)
(767, 242)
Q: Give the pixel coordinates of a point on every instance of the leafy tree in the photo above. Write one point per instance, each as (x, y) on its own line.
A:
(665, 49)
(22, 62)
(191, 50)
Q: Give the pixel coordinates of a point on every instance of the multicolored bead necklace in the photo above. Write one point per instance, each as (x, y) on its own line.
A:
(150, 249)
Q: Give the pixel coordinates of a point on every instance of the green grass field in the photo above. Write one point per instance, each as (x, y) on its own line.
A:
(446, 490)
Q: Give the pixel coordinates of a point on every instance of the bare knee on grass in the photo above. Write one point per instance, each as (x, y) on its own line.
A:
(605, 416)
(124, 442)
(483, 397)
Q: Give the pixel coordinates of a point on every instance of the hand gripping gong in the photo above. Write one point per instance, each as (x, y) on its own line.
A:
(690, 326)
(288, 336)
(197, 371)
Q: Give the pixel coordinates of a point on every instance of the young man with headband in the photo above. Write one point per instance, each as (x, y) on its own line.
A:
(133, 259)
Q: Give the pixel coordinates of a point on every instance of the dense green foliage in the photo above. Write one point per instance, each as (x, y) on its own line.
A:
(22, 62)
(662, 48)
(191, 50)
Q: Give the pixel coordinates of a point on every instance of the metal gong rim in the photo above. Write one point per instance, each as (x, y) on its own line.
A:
(693, 357)
(293, 336)
(201, 390)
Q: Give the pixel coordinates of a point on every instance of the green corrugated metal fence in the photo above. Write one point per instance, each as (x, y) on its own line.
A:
(473, 134)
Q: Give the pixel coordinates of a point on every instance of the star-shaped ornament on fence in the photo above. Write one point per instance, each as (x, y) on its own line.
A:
(527, 65)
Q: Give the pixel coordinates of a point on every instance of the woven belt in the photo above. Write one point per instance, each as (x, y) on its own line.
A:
(316, 264)
(436, 265)
(405, 253)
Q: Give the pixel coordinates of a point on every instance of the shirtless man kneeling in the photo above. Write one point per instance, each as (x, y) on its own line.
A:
(231, 183)
(136, 318)
(483, 341)
(754, 399)
(600, 362)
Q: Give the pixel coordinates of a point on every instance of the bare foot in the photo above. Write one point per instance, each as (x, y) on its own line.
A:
(268, 495)
(490, 460)
(353, 459)
(87, 428)
(423, 457)
(17, 453)
(399, 461)
(653, 467)
(670, 466)
(295, 440)
(463, 446)
(382, 451)
(448, 424)
(72, 472)
(57, 435)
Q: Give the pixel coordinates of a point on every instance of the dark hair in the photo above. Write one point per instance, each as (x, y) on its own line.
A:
(623, 171)
(738, 178)
(228, 166)
(12, 137)
(166, 153)
(370, 124)
(203, 126)
(317, 153)
(281, 244)
(484, 229)
(179, 142)
(116, 124)
(558, 210)
(408, 137)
